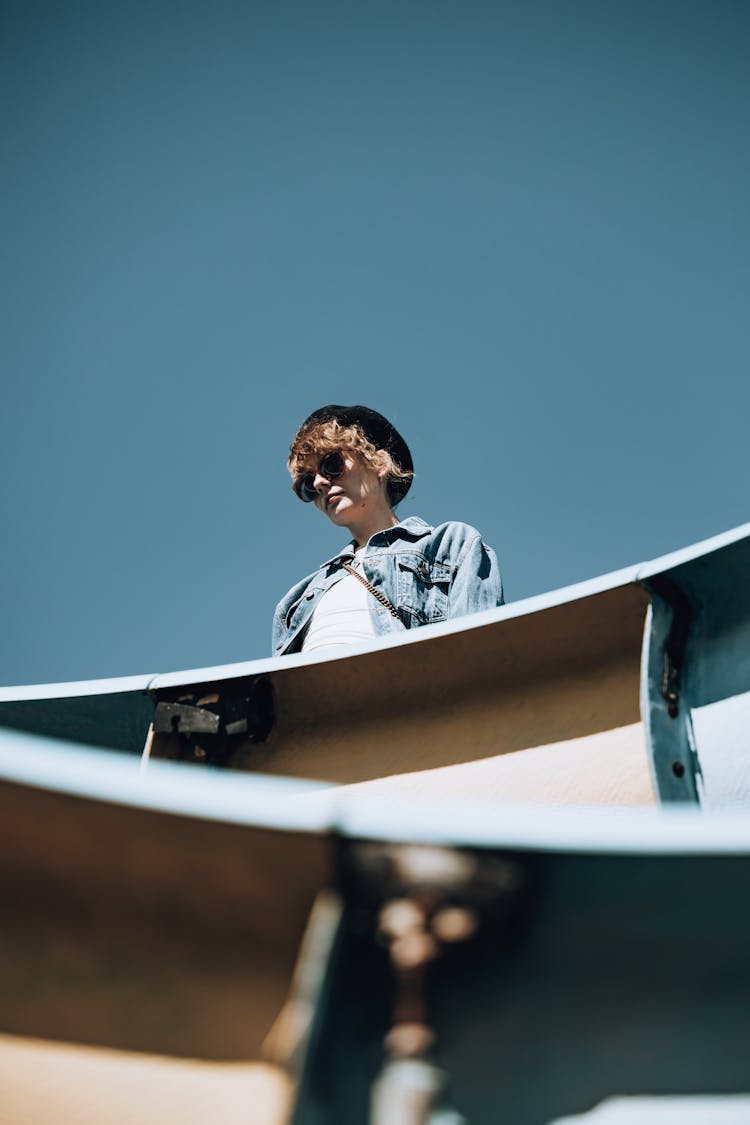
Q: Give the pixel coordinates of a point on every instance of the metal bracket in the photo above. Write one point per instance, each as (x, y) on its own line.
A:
(665, 705)
(184, 718)
(425, 901)
(220, 715)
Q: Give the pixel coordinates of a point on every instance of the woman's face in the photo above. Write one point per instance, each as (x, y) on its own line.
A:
(349, 499)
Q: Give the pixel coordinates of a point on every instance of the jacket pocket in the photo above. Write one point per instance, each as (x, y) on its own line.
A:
(423, 589)
(299, 606)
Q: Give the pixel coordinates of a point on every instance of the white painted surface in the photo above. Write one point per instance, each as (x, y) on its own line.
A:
(697, 1110)
(297, 806)
(72, 688)
(722, 737)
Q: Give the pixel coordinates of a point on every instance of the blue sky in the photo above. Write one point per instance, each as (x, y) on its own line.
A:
(520, 230)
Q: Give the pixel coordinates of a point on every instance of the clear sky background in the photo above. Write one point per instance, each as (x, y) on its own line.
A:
(519, 229)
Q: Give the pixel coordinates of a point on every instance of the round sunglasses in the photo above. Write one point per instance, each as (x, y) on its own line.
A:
(331, 466)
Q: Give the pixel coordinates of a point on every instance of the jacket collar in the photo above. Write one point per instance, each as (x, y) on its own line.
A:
(411, 528)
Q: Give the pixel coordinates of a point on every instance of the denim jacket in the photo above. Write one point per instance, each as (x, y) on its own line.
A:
(427, 573)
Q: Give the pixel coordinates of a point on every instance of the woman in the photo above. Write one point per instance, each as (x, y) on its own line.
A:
(394, 575)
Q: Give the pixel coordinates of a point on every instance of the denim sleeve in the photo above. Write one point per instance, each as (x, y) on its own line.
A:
(277, 629)
(477, 584)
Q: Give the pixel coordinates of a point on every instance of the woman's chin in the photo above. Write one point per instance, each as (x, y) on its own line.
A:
(337, 512)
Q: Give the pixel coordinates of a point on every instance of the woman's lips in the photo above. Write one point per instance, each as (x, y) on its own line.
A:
(333, 497)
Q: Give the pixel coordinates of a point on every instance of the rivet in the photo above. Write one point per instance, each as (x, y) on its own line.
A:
(400, 916)
(407, 1039)
(678, 769)
(413, 949)
(454, 923)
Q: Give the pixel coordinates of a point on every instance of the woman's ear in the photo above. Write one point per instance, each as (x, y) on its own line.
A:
(384, 464)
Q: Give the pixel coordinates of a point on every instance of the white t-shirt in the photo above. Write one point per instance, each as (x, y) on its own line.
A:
(342, 616)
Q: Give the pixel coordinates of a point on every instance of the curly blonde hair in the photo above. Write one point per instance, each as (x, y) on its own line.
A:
(325, 437)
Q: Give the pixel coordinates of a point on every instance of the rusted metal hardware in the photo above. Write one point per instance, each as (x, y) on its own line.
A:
(676, 641)
(211, 720)
(185, 718)
(427, 900)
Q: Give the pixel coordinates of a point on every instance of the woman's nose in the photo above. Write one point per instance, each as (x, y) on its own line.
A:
(320, 482)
